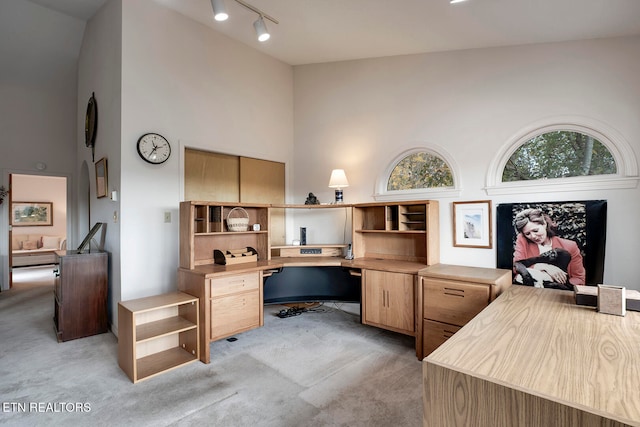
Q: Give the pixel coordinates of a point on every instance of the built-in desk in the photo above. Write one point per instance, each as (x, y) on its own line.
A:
(391, 242)
(534, 358)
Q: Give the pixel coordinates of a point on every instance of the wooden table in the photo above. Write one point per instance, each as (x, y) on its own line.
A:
(534, 358)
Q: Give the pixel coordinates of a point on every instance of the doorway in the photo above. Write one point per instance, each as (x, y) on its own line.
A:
(37, 220)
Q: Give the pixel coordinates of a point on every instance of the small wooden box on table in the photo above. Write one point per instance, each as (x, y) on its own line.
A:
(157, 334)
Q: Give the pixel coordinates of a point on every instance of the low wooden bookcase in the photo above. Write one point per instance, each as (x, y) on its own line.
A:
(157, 334)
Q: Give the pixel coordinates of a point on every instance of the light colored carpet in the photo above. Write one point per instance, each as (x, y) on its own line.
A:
(322, 368)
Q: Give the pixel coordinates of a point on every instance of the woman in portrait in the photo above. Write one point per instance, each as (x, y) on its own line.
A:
(543, 259)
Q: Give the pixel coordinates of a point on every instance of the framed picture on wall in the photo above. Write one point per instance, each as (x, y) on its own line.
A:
(472, 224)
(101, 178)
(26, 214)
(575, 234)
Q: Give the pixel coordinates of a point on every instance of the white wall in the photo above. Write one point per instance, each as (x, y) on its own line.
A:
(99, 73)
(198, 89)
(359, 115)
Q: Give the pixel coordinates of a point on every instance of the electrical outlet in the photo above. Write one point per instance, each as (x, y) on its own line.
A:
(167, 217)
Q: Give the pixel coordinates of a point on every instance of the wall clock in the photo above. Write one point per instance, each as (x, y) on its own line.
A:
(154, 148)
(91, 125)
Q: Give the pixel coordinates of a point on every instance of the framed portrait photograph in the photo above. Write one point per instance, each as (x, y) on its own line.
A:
(27, 214)
(557, 244)
(472, 224)
(101, 178)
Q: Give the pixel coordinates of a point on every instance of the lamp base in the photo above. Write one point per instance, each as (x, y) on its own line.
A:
(339, 198)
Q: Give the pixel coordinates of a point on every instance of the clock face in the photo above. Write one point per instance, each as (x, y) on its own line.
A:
(154, 148)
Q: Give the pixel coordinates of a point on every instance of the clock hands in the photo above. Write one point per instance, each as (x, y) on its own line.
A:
(153, 155)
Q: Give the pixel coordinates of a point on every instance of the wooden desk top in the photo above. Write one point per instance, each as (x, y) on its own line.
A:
(211, 270)
(487, 276)
(394, 266)
(540, 342)
(215, 270)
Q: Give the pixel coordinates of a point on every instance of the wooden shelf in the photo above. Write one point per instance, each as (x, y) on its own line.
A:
(157, 333)
(400, 231)
(299, 206)
(391, 231)
(163, 361)
(160, 328)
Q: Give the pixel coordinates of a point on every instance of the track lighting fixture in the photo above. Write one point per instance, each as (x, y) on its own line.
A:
(261, 30)
(220, 14)
(219, 10)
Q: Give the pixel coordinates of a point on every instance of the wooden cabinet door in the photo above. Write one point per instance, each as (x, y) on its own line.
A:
(374, 297)
(211, 176)
(389, 300)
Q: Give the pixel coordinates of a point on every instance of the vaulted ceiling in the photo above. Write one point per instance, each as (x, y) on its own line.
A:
(313, 31)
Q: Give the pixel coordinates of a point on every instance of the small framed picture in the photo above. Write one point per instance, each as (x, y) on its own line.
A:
(25, 214)
(101, 178)
(472, 224)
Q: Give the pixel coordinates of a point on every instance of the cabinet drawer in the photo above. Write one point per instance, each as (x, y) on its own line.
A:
(435, 334)
(226, 285)
(235, 313)
(453, 302)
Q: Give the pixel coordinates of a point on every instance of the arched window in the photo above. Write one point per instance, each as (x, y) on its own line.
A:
(569, 154)
(417, 173)
(559, 154)
(420, 170)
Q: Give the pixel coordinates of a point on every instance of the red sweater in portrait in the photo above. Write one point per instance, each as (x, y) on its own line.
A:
(527, 249)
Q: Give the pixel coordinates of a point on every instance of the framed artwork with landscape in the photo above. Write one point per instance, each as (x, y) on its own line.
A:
(27, 214)
(472, 224)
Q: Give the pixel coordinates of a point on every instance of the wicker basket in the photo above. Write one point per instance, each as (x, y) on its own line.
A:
(238, 223)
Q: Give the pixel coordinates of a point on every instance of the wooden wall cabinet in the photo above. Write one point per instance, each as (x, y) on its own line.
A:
(157, 334)
(80, 290)
(388, 300)
(451, 296)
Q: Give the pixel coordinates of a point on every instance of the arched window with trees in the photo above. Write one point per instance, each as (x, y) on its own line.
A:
(559, 154)
(418, 173)
(563, 154)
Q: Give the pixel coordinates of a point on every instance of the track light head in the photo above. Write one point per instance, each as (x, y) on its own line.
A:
(219, 10)
(261, 30)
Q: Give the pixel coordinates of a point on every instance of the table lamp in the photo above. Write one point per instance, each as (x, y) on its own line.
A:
(338, 181)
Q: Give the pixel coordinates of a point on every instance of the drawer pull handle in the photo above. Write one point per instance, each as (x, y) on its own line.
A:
(454, 292)
(454, 295)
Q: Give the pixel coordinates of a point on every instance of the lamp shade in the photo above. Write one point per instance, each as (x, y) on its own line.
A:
(338, 179)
